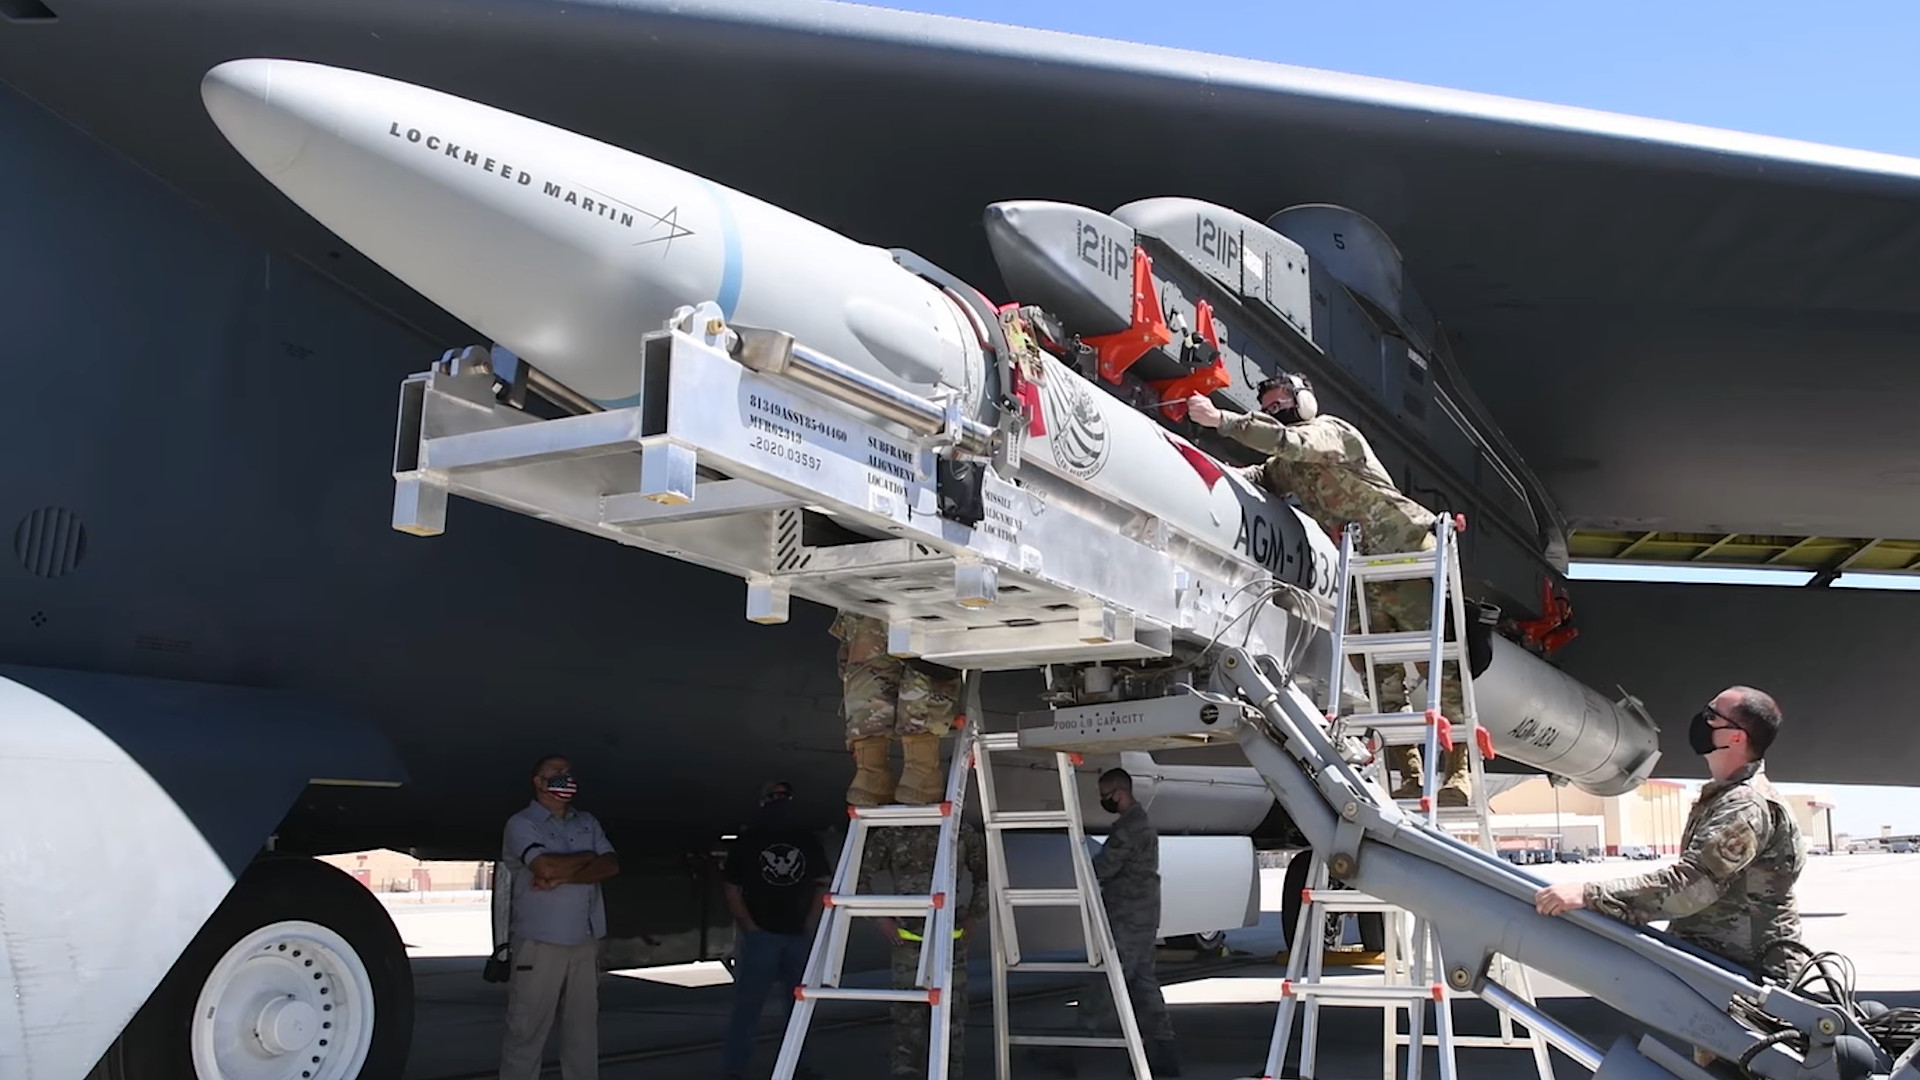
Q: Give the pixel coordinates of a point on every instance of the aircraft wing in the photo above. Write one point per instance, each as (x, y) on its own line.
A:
(1680, 328)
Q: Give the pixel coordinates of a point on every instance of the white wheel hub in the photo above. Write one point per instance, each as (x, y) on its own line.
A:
(290, 1001)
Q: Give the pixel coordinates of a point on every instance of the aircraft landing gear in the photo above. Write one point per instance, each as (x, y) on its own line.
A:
(299, 975)
(1373, 929)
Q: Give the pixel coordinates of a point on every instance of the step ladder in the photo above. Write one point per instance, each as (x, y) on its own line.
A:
(934, 980)
(1099, 955)
(933, 983)
(1412, 956)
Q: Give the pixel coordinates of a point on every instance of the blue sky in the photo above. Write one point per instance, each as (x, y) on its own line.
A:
(1841, 74)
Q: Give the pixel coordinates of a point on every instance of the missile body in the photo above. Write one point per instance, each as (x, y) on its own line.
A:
(569, 252)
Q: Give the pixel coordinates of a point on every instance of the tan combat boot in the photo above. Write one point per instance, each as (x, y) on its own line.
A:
(1406, 760)
(921, 781)
(872, 781)
(1456, 788)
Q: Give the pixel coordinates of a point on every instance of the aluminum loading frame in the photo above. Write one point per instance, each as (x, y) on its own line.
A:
(767, 479)
(775, 469)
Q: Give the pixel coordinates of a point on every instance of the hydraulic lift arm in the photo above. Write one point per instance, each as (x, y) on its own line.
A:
(1483, 906)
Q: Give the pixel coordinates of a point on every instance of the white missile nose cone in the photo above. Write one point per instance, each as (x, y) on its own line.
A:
(239, 97)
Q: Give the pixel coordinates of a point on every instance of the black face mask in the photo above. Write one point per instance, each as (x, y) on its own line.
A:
(1110, 804)
(1700, 733)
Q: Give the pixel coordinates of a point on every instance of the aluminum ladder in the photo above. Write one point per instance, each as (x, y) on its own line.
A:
(1100, 957)
(1412, 951)
(934, 980)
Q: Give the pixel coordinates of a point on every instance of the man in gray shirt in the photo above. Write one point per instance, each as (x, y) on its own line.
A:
(556, 856)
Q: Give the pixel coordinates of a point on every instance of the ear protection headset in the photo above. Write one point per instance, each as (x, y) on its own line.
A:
(1305, 405)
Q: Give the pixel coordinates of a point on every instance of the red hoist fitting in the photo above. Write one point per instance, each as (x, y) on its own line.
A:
(1026, 385)
(1554, 628)
(1117, 352)
(1174, 393)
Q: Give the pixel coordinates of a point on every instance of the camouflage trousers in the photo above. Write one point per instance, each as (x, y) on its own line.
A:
(887, 697)
(911, 1023)
(1135, 949)
(1401, 606)
(1398, 607)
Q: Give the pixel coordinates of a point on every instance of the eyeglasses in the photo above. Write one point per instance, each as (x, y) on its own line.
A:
(1726, 723)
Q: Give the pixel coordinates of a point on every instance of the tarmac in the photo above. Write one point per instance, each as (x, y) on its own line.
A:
(666, 1023)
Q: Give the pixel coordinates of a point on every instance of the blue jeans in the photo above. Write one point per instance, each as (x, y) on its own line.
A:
(761, 961)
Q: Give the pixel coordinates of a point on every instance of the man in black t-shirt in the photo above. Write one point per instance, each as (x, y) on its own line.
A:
(776, 876)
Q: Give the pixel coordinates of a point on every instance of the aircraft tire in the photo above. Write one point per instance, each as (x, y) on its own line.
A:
(1373, 928)
(1210, 945)
(297, 953)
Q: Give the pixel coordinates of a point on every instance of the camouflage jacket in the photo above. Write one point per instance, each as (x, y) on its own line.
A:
(1328, 465)
(1128, 866)
(862, 639)
(1731, 893)
(907, 852)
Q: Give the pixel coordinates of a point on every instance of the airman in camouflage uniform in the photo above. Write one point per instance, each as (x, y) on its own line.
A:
(1330, 467)
(1128, 868)
(908, 854)
(886, 697)
(1731, 892)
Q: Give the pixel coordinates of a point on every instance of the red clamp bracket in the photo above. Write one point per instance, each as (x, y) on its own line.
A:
(1117, 352)
(1434, 719)
(1554, 628)
(1173, 393)
(1485, 738)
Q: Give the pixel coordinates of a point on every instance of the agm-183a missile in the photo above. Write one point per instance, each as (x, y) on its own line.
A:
(568, 252)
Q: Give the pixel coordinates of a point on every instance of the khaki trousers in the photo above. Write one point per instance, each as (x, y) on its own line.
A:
(546, 976)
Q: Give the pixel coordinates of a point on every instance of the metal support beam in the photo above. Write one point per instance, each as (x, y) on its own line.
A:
(1635, 546)
(1715, 546)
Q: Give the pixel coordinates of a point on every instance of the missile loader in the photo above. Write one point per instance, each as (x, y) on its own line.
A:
(681, 368)
(568, 253)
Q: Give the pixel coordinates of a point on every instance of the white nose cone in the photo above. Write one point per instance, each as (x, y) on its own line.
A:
(239, 96)
(562, 263)
(566, 250)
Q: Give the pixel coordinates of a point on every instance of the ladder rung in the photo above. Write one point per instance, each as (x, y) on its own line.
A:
(932, 814)
(1347, 900)
(1385, 721)
(1043, 897)
(1446, 814)
(1029, 819)
(878, 904)
(1335, 994)
(1400, 646)
(1483, 1042)
(997, 740)
(1375, 575)
(847, 993)
(1091, 1041)
(1394, 558)
(1055, 967)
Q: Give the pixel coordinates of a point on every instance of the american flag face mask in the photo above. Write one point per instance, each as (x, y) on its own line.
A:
(562, 786)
